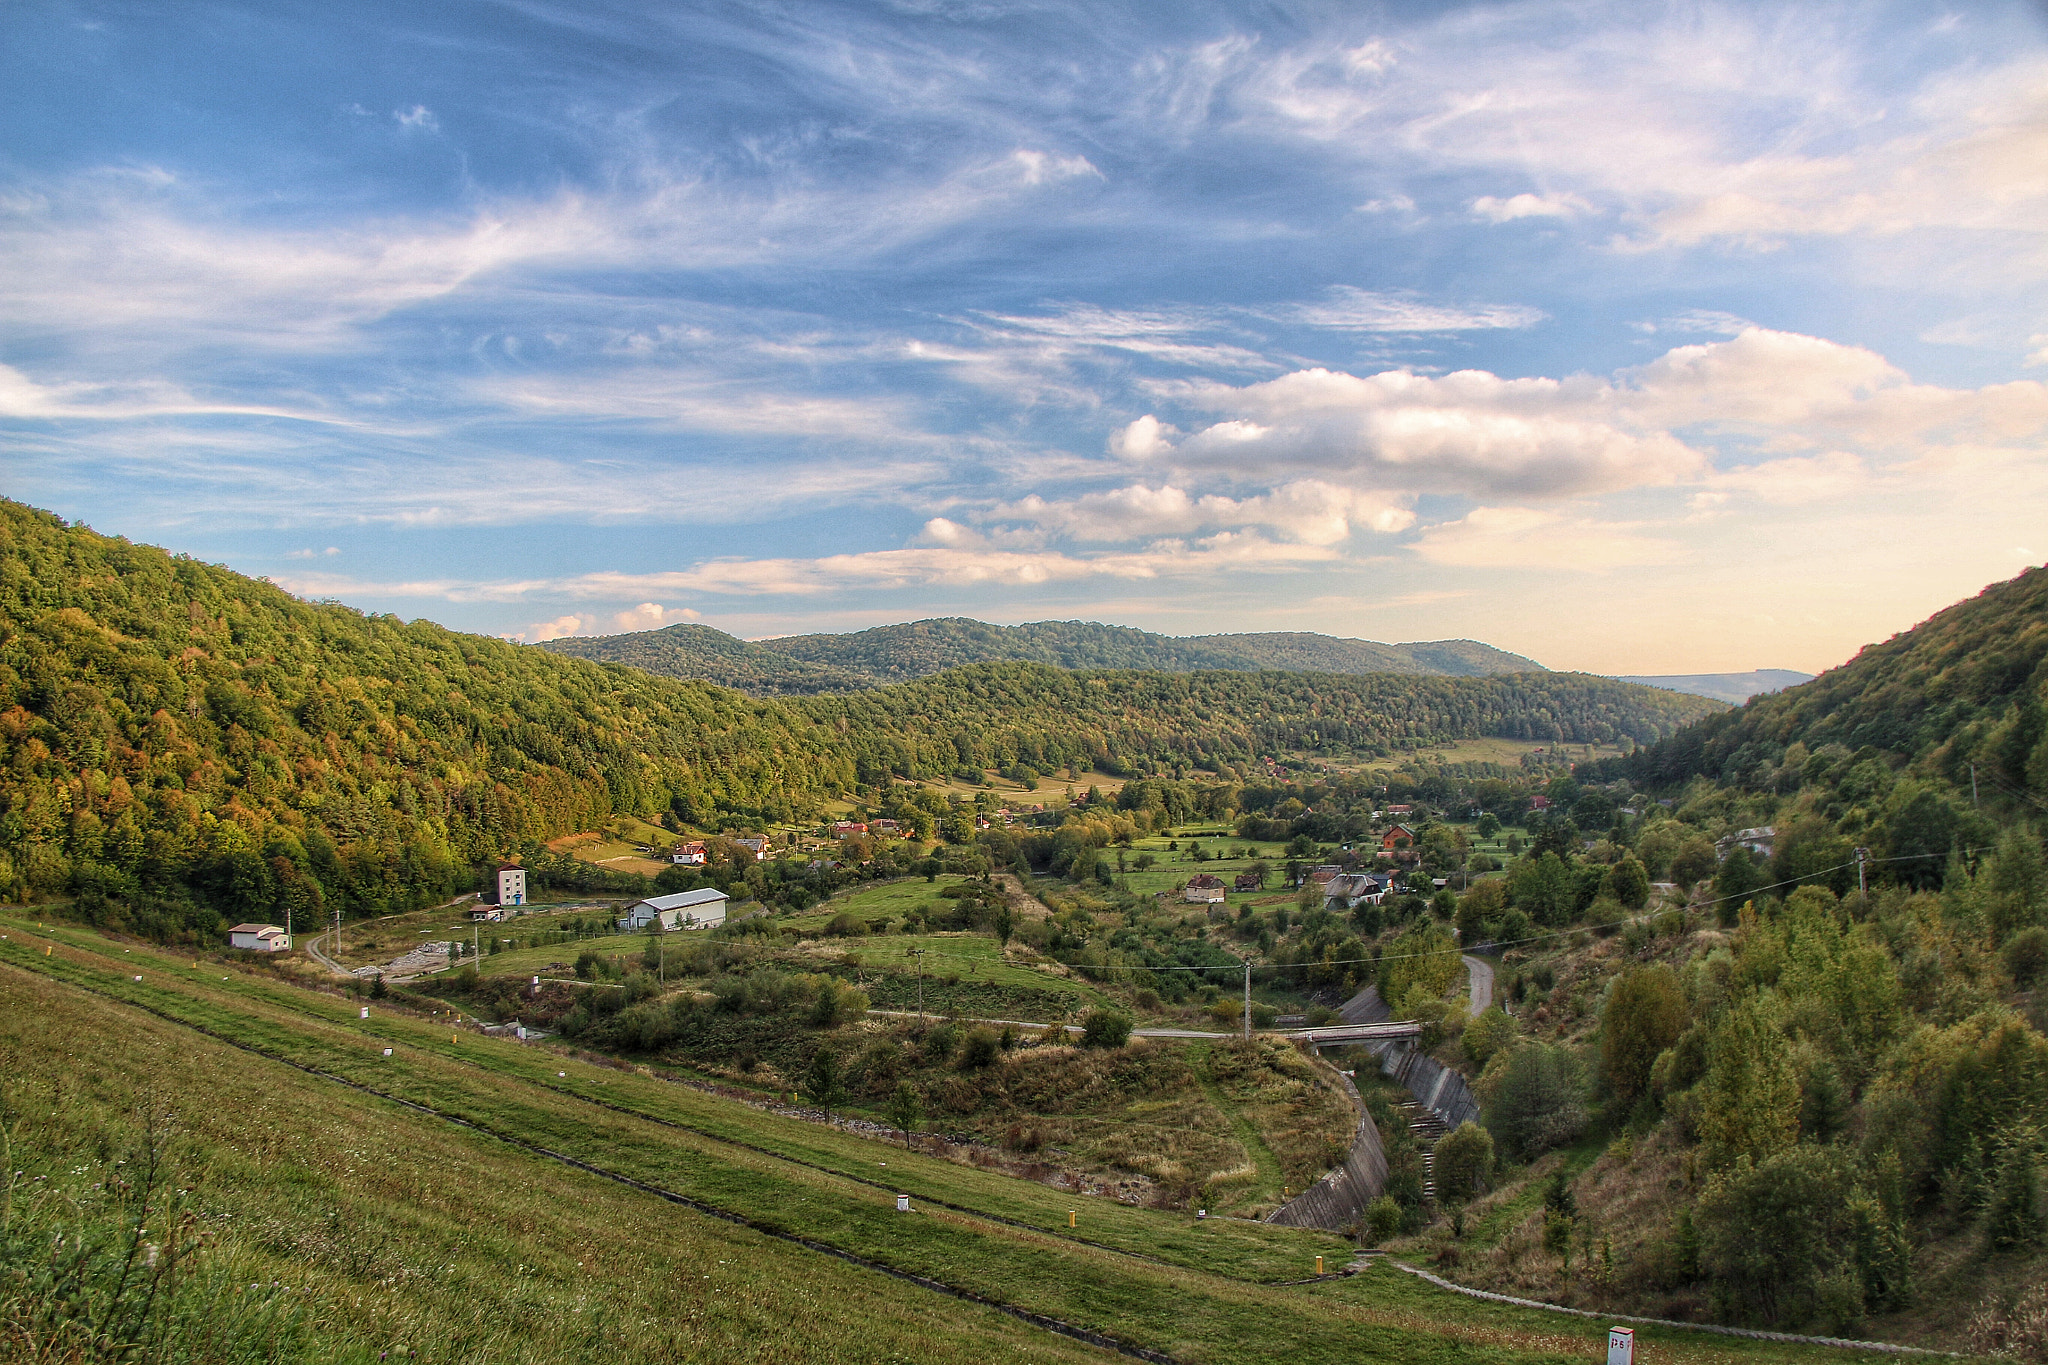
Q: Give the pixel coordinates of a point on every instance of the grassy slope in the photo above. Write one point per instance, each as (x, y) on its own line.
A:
(266, 1135)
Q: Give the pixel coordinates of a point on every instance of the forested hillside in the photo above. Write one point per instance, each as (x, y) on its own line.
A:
(693, 651)
(919, 649)
(187, 743)
(1964, 687)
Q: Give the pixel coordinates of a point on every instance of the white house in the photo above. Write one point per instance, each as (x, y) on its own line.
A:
(511, 884)
(1760, 841)
(702, 909)
(260, 938)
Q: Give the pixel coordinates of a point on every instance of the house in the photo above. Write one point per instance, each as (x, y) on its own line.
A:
(1357, 888)
(483, 912)
(1759, 840)
(1248, 881)
(1400, 810)
(510, 886)
(1398, 837)
(260, 938)
(688, 855)
(701, 909)
(1322, 875)
(883, 827)
(1204, 889)
(754, 844)
(842, 828)
(1539, 802)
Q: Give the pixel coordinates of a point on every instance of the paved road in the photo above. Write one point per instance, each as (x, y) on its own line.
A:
(1482, 981)
(313, 951)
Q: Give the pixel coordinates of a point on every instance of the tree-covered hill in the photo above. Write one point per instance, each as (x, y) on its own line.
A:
(919, 649)
(710, 655)
(190, 743)
(1967, 686)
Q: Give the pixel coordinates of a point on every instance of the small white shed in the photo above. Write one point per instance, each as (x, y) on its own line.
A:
(260, 938)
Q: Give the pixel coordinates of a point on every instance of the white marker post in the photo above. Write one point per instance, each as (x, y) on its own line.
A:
(903, 1203)
(1621, 1346)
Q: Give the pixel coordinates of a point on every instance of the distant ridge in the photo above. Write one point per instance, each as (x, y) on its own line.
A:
(1733, 688)
(805, 664)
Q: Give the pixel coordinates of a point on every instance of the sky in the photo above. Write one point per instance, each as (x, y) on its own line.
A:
(1635, 338)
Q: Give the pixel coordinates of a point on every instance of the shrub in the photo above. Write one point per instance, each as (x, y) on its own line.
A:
(1490, 1030)
(1382, 1220)
(982, 1049)
(1464, 1162)
(1105, 1028)
(2026, 957)
(1645, 1014)
(1538, 1103)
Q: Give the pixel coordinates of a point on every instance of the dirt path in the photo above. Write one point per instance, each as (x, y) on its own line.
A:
(1021, 900)
(1271, 1178)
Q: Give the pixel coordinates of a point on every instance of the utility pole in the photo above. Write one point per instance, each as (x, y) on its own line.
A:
(1862, 854)
(1247, 1000)
(920, 990)
(1973, 784)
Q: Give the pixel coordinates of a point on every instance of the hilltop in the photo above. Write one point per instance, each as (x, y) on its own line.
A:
(920, 649)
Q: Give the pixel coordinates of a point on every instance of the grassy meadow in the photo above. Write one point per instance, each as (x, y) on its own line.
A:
(366, 1218)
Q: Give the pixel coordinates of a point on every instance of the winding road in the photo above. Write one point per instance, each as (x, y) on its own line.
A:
(1482, 981)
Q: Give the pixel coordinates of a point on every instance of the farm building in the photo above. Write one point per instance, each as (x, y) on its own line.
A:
(1203, 889)
(690, 854)
(260, 938)
(702, 909)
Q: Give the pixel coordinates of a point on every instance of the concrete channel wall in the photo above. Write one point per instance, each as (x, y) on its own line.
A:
(1435, 1086)
(1335, 1201)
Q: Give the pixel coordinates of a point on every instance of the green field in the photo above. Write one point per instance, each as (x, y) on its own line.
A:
(419, 1203)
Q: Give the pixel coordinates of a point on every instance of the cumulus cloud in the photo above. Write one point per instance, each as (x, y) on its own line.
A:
(1477, 433)
(1465, 432)
(1142, 439)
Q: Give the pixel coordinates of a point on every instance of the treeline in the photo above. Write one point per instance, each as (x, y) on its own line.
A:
(182, 746)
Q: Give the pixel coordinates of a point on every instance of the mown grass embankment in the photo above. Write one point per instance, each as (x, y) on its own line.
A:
(267, 1115)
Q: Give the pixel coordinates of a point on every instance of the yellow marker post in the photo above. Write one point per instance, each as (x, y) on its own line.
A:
(1071, 1215)
(1319, 1265)
(46, 951)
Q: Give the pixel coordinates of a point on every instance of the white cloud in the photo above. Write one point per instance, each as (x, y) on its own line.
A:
(1362, 310)
(313, 554)
(1477, 433)
(559, 628)
(21, 396)
(2039, 356)
(1525, 205)
(1306, 512)
(1041, 168)
(419, 118)
(1142, 439)
(652, 615)
(1535, 538)
(1465, 432)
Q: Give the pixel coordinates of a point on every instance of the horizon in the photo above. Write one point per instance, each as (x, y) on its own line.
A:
(1686, 341)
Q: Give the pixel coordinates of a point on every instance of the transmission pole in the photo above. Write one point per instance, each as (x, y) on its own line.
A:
(1862, 854)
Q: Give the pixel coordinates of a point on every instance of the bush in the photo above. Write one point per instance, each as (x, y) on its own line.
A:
(1538, 1103)
(2026, 957)
(982, 1049)
(1645, 1014)
(1105, 1028)
(1464, 1162)
(1490, 1030)
(1382, 1220)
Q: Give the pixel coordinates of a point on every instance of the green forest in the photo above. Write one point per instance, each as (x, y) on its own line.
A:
(803, 664)
(191, 747)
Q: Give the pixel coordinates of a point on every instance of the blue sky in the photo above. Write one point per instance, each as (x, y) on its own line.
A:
(1634, 338)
